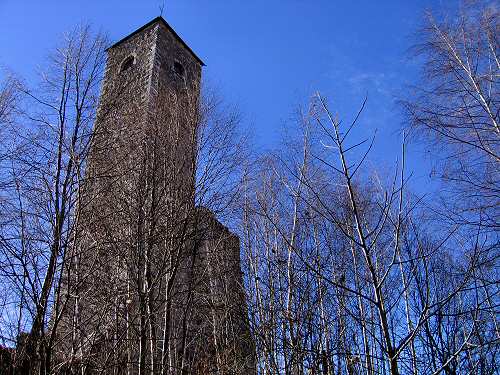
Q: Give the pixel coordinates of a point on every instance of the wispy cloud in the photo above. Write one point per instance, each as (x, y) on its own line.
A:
(372, 82)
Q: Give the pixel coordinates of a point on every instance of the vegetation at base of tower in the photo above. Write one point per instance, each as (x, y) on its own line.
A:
(346, 270)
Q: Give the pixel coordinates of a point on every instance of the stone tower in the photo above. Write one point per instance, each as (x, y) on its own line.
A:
(154, 283)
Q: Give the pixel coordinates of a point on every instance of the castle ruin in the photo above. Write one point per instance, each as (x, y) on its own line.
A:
(154, 284)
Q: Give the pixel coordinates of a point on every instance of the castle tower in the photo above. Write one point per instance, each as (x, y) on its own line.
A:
(154, 283)
(152, 87)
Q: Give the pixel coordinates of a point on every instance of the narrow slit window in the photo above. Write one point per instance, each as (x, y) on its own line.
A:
(128, 63)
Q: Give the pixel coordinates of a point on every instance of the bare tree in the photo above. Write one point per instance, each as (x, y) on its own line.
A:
(7, 99)
(48, 149)
(457, 107)
(345, 274)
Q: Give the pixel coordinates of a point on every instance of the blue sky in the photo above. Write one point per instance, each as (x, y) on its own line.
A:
(267, 57)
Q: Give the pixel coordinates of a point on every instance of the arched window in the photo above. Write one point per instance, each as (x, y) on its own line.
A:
(179, 69)
(127, 63)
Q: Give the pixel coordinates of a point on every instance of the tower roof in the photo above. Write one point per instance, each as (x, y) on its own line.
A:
(162, 21)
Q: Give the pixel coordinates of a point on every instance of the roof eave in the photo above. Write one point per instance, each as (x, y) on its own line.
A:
(150, 23)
